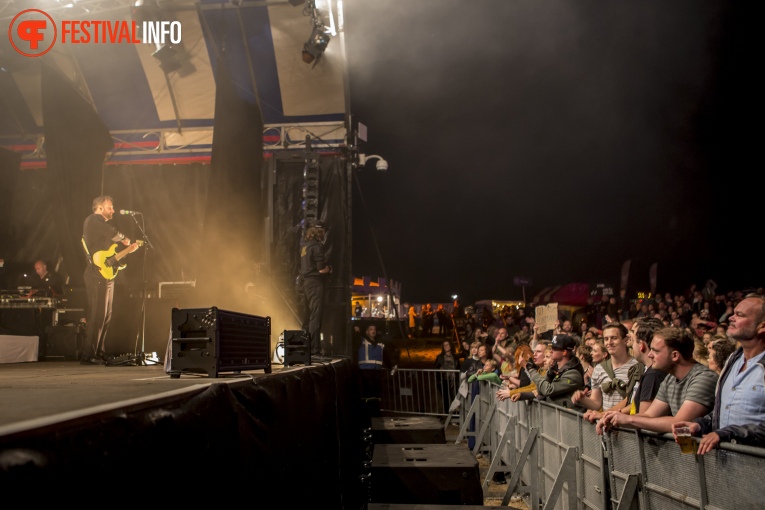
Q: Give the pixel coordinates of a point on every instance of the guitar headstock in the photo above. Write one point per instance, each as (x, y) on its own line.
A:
(139, 242)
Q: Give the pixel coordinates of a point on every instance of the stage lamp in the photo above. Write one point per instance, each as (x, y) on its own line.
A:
(314, 47)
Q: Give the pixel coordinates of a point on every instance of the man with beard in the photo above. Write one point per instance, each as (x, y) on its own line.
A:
(99, 236)
(739, 410)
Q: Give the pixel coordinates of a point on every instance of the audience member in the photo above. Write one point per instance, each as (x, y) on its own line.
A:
(612, 378)
(564, 376)
(538, 360)
(520, 377)
(446, 360)
(687, 392)
(489, 372)
(584, 353)
(739, 405)
(719, 351)
(645, 390)
(472, 364)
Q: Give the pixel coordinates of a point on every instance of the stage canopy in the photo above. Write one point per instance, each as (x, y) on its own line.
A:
(158, 101)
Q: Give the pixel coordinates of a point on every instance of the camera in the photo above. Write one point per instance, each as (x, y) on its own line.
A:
(382, 165)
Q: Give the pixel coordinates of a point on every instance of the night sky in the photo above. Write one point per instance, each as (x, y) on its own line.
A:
(554, 140)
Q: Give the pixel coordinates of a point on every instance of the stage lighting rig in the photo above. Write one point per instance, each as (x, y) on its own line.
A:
(317, 42)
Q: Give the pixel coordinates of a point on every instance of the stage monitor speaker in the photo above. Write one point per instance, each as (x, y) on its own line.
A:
(211, 341)
(442, 474)
(297, 347)
(407, 430)
(63, 343)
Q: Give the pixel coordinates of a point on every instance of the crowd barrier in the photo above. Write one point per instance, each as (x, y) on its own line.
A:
(551, 455)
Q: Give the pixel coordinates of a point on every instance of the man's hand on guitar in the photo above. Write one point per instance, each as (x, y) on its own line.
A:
(133, 247)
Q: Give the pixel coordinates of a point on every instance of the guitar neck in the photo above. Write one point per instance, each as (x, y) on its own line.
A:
(124, 253)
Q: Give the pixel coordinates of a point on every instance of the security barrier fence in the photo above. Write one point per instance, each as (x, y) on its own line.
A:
(551, 455)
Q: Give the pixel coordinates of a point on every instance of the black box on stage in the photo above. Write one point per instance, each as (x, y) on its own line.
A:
(63, 342)
(297, 347)
(409, 429)
(211, 340)
(425, 474)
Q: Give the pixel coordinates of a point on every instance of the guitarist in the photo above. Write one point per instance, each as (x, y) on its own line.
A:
(99, 235)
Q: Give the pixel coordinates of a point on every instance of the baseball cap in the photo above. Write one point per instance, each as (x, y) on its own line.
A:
(563, 342)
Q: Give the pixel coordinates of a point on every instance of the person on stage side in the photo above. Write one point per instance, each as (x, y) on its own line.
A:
(314, 271)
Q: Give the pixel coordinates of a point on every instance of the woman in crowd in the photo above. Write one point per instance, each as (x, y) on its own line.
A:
(446, 360)
(599, 353)
(719, 351)
(521, 378)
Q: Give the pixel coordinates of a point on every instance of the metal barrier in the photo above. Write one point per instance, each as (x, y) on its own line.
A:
(555, 457)
(427, 392)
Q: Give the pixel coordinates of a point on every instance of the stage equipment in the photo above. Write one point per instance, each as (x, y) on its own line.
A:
(442, 474)
(211, 341)
(279, 351)
(381, 165)
(317, 42)
(407, 430)
(297, 347)
(63, 342)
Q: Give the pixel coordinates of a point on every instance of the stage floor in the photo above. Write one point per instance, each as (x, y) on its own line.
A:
(36, 393)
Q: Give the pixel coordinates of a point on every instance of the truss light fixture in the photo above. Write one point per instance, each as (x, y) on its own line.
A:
(314, 47)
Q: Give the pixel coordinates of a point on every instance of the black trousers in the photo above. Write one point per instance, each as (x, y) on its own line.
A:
(313, 289)
(100, 294)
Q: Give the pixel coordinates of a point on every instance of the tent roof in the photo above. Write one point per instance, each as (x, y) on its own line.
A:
(155, 116)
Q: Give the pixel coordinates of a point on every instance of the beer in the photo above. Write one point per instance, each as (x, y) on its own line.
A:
(686, 442)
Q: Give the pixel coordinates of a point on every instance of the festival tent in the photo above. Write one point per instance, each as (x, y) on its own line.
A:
(224, 145)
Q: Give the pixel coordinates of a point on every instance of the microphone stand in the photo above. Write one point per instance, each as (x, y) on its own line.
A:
(140, 356)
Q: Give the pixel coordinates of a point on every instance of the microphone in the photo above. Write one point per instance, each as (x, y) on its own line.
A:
(125, 212)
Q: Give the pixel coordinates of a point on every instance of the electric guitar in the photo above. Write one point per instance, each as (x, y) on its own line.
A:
(107, 260)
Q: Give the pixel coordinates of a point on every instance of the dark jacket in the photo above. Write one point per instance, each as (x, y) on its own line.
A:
(557, 385)
(312, 259)
(751, 434)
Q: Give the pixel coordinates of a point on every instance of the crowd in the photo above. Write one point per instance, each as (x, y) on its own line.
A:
(681, 363)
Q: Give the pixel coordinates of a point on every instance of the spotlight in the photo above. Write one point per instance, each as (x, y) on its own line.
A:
(314, 47)
(168, 57)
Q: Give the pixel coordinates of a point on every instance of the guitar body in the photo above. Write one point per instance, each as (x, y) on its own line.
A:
(102, 258)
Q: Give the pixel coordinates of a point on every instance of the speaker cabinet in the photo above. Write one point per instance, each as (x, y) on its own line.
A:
(211, 341)
(425, 474)
(63, 342)
(409, 429)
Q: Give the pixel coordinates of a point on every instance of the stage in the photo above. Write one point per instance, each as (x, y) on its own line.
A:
(38, 393)
(63, 425)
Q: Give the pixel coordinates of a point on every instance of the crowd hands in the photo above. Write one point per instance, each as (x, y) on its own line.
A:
(661, 367)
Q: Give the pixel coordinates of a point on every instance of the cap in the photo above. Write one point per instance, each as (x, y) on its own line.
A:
(563, 342)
